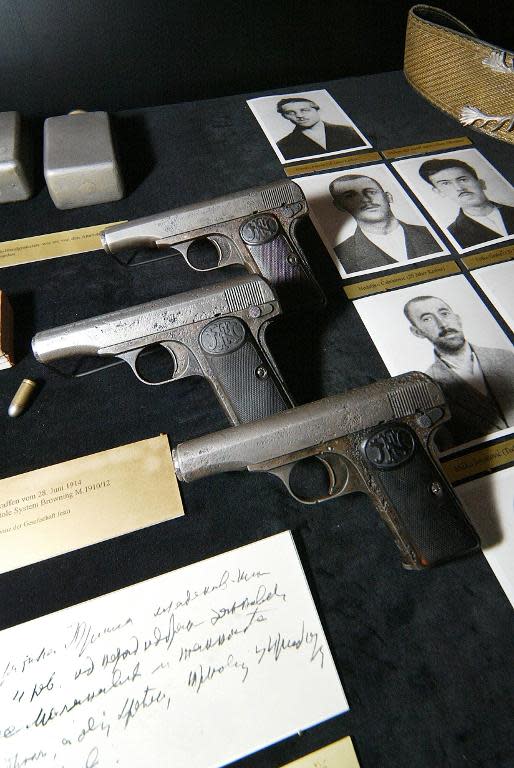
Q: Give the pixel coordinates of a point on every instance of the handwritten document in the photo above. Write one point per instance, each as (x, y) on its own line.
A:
(66, 506)
(192, 669)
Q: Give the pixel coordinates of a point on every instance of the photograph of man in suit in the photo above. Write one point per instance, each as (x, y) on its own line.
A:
(479, 219)
(312, 135)
(477, 381)
(380, 238)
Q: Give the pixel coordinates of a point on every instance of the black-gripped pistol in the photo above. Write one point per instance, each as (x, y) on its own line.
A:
(377, 439)
(217, 332)
(255, 228)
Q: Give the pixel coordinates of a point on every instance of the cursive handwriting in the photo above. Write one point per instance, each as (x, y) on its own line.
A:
(92, 760)
(150, 697)
(93, 725)
(45, 716)
(83, 634)
(262, 596)
(192, 595)
(115, 657)
(168, 635)
(226, 578)
(203, 674)
(19, 761)
(277, 644)
(94, 685)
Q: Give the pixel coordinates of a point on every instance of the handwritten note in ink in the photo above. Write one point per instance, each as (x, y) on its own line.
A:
(192, 669)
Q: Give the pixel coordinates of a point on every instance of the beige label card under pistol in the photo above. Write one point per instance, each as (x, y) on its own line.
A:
(63, 507)
(339, 754)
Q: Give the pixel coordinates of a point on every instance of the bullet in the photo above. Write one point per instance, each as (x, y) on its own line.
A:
(22, 397)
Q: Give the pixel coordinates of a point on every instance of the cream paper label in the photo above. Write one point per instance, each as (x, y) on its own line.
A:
(429, 146)
(339, 754)
(66, 506)
(51, 246)
(331, 163)
(391, 282)
(495, 256)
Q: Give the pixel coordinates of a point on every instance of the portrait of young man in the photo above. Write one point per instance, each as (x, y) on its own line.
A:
(306, 125)
(367, 220)
(466, 195)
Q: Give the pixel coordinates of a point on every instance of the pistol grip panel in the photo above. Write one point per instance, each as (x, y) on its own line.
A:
(281, 265)
(243, 373)
(420, 507)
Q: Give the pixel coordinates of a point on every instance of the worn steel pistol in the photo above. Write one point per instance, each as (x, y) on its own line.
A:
(216, 332)
(255, 228)
(376, 439)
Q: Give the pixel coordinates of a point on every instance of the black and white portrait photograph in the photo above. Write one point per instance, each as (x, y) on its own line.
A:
(467, 197)
(311, 124)
(445, 330)
(497, 282)
(367, 221)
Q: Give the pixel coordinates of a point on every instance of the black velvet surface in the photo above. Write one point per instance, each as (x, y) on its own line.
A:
(425, 658)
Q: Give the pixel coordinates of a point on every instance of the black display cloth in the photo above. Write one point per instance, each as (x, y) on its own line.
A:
(425, 658)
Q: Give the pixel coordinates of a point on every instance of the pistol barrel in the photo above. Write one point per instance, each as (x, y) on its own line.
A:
(151, 322)
(306, 426)
(208, 214)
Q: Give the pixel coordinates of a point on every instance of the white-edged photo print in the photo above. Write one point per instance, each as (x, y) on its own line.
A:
(305, 125)
(489, 502)
(445, 330)
(497, 282)
(467, 197)
(367, 221)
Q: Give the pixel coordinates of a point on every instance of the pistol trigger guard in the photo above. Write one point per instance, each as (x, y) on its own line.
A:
(337, 473)
(227, 254)
(179, 354)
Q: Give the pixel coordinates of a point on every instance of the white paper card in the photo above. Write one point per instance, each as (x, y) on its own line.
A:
(194, 668)
(489, 501)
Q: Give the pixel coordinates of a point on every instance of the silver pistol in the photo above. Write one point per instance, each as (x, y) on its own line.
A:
(376, 439)
(216, 332)
(255, 228)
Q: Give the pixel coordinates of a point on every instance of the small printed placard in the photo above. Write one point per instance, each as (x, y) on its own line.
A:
(41, 247)
(339, 754)
(66, 506)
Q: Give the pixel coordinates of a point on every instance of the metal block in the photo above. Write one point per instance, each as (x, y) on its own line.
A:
(15, 176)
(79, 160)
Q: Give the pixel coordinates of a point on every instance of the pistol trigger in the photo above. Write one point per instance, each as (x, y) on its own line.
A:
(180, 247)
(283, 473)
(227, 253)
(335, 481)
(185, 364)
(332, 478)
(130, 357)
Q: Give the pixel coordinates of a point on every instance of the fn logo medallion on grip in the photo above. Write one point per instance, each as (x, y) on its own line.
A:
(222, 336)
(389, 447)
(259, 230)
